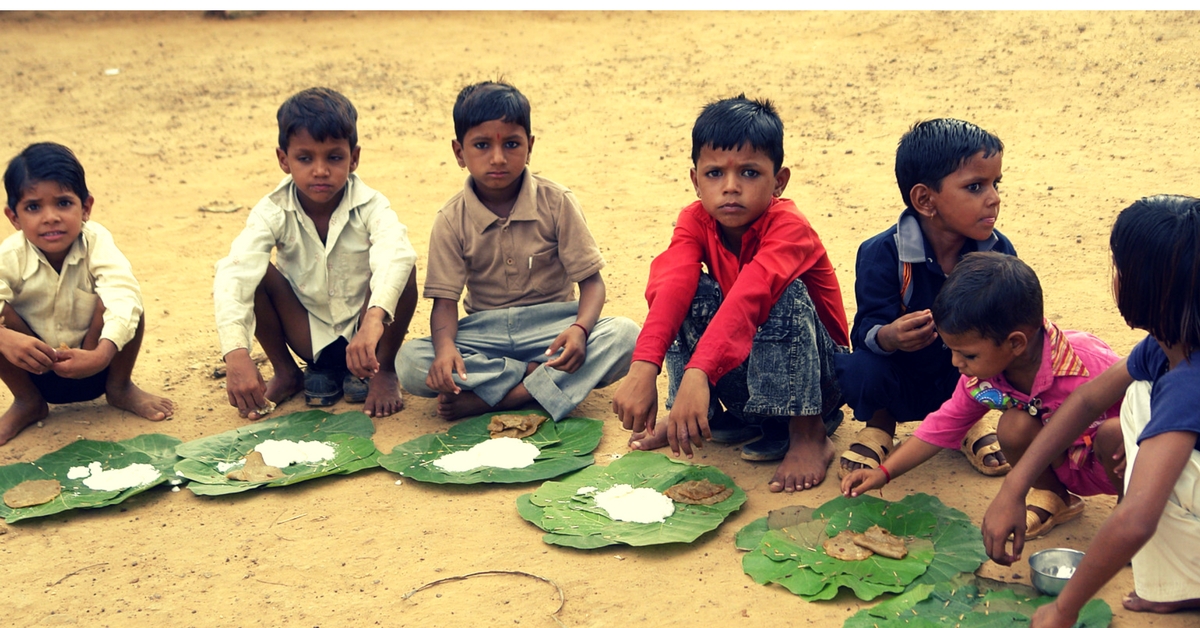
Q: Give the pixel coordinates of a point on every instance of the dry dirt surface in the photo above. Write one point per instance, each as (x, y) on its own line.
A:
(171, 112)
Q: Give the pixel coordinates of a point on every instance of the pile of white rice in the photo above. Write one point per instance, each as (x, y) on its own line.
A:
(500, 453)
(101, 479)
(637, 505)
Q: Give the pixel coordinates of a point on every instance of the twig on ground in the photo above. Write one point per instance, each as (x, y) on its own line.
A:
(562, 598)
(59, 581)
(278, 584)
(291, 518)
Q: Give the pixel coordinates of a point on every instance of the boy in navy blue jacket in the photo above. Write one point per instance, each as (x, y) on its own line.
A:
(948, 171)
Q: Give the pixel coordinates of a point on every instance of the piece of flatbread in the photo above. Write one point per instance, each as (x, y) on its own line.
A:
(515, 425)
(843, 547)
(32, 493)
(882, 542)
(255, 470)
(699, 493)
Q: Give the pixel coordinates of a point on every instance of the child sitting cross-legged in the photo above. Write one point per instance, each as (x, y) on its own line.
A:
(72, 311)
(989, 313)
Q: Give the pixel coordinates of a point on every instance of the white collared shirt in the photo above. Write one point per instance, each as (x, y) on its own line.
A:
(58, 306)
(366, 247)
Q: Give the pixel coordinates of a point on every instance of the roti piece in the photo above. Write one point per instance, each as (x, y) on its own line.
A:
(255, 470)
(515, 425)
(32, 493)
(882, 542)
(699, 493)
(843, 547)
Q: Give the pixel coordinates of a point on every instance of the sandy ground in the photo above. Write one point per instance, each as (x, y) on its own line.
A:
(1096, 110)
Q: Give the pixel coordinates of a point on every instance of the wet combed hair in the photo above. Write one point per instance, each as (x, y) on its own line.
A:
(933, 149)
(321, 111)
(1155, 246)
(44, 161)
(734, 122)
(991, 294)
(487, 101)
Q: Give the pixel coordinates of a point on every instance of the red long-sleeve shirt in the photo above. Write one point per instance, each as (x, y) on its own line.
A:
(779, 247)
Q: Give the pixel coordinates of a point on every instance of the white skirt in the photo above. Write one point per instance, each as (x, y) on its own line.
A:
(1167, 568)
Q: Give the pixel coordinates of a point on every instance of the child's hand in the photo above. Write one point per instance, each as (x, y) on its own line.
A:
(912, 332)
(573, 342)
(862, 480)
(26, 352)
(636, 400)
(360, 353)
(80, 363)
(1004, 516)
(1119, 456)
(688, 420)
(441, 372)
(244, 385)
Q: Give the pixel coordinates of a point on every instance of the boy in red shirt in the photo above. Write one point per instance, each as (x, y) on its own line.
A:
(756, 332)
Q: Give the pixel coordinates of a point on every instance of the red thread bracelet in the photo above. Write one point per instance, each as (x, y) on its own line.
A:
(586, 333)
(886, 474)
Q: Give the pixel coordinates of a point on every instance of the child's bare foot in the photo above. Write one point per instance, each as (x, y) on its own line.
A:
(285, 385)
(642, 441)
(451, 406)
(808, 457)
(383, 395)
(130, 397)
(19, 416)
(1138, 605)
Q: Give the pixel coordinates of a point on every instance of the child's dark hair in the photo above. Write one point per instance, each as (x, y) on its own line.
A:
(321, 111)
(487, 101)
(734, 122)
(933, 149)
(991, 294)
(44, 161)
(1156, 251)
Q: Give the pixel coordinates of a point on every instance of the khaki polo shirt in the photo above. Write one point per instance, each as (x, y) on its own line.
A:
(536, 255)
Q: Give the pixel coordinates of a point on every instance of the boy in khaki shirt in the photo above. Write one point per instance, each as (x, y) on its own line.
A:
(519, 244)
(72, 311)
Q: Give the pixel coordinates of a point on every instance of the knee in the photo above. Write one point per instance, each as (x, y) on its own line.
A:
(1108, 438)
(412, 366)
(1016, 430)
(624, 334)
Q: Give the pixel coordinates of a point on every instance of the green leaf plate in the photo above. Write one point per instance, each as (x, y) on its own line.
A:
(349, 433)
(564, 446)
(574, 520)
(153, 449)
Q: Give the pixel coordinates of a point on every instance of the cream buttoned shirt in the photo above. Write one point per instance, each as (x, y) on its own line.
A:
(366, 247)
(58, 306)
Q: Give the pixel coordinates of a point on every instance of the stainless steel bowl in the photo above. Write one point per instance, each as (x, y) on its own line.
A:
(1051, 568)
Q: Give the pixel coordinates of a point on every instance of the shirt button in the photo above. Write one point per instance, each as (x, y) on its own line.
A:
(509, 261)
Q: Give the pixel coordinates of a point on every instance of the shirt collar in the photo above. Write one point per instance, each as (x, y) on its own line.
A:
(525, 207)
(77, 253)
(1064, 362)
(285, 196)
(910, 240)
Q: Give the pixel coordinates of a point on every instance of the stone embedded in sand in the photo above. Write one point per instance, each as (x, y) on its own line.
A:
(32, 493)
(882, 542)
(515, 425)
(500, 453)
(699, 492)
(637, 505)
(843, 547)
(255, 470)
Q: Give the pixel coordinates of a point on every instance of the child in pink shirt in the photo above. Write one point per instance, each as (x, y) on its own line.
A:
(989, 313)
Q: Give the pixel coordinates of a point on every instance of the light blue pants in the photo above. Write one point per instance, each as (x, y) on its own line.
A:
(497, 344)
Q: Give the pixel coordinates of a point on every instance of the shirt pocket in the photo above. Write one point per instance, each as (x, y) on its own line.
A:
(83, 309)
(546, 273)
(349, 273)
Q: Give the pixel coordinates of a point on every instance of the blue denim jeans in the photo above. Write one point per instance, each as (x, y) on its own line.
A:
(789, 371)
(496, 345)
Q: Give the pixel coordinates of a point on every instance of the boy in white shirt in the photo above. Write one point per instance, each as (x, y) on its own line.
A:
(342, 290)
(72, 311)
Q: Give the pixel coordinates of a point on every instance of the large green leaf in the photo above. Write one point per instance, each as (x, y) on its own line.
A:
(968, 601)
(574, 520)
(564, 446)
(944, 545)
(154, 449)
(349, 433)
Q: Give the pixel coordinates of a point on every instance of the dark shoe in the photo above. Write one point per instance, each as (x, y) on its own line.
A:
(321, 388)
(354, 388)
(772, 446)
(727, 430)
